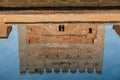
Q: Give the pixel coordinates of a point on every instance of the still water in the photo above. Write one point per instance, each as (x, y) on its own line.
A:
(91, 60)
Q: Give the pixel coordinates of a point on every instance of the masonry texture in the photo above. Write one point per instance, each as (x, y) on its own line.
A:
(73, 48)
(4, 31)
(34, 3)
(66, 33)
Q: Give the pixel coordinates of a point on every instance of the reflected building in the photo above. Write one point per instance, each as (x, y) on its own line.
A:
(5, 32)
(63, 47)
(117, 29)
(56, 3)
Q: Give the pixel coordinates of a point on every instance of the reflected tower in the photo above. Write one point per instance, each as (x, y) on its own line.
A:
(5, 32)
(117, 29)
(61, 46)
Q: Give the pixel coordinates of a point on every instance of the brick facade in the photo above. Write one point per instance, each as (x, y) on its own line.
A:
(4, 31)
(55, 33)
(38, 55)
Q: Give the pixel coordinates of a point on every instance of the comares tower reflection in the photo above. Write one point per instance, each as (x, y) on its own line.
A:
(77, 46)
(59, 34)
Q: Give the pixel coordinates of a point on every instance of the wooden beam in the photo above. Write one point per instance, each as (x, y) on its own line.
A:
(60, 17)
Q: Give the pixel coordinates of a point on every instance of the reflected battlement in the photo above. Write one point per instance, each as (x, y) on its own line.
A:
(55, 46)
(5, 32)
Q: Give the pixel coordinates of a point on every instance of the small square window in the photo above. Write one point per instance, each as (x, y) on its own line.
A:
(90, 30)
(61, 27)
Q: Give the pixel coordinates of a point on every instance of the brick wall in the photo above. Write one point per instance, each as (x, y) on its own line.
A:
(37, 56)
(61, 33)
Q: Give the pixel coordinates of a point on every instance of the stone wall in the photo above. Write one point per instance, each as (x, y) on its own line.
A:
(4, 31)
(53, 3)
(66, 33)
(35, 57)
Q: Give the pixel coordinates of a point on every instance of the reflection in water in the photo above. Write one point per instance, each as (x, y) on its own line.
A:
(5, 31)
(117, 29)
(68, 46)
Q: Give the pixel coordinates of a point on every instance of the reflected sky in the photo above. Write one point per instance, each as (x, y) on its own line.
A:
(10, 61)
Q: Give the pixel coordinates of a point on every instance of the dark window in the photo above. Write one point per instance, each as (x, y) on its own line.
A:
(29, 41)
(61, 27)
(64, 0)
(36, 69)
(67, 56)
(29, 54)
(57, 56)
(46, 56)
(90, 30)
